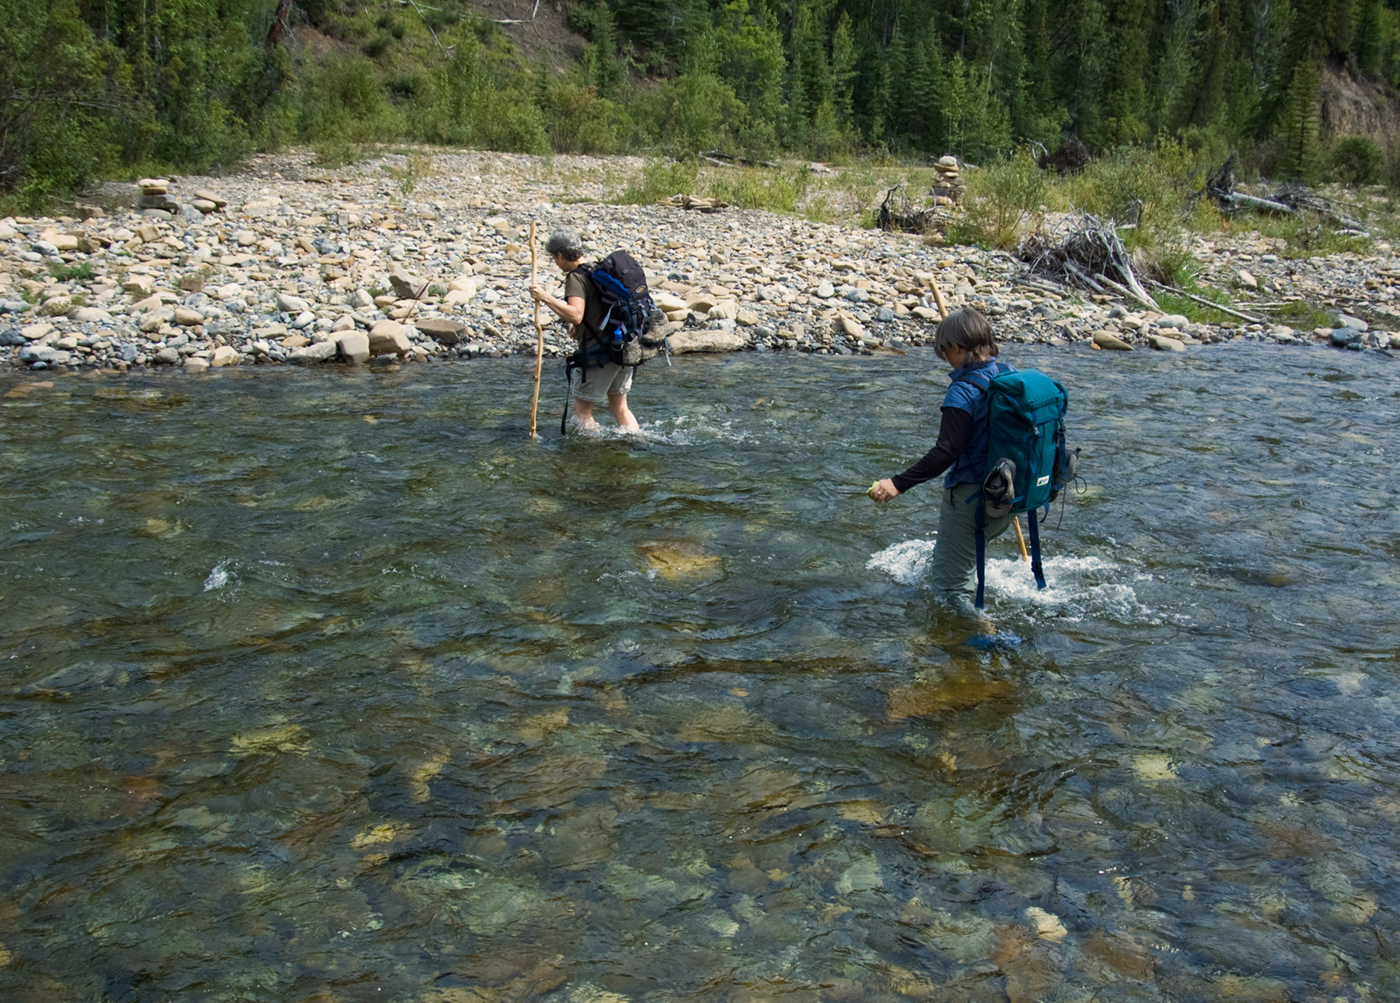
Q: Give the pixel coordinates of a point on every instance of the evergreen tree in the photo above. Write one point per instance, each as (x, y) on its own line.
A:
(1302, 116)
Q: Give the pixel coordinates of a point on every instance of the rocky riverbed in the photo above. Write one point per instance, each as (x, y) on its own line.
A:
(417, 257)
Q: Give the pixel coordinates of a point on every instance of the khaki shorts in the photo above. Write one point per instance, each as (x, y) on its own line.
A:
(597, 383)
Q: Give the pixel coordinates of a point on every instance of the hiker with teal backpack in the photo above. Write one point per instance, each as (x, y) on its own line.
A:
(582, 307)
(1001, 442)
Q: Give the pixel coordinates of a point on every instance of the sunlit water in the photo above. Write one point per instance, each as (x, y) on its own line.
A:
(334, 686)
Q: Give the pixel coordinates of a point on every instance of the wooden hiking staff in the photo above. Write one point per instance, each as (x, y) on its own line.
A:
(539, 341)
(1015, 519)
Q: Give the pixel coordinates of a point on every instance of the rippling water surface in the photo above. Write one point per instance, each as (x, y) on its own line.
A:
(333, 686)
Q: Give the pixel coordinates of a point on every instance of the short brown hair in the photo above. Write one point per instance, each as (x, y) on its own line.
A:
(970, 331)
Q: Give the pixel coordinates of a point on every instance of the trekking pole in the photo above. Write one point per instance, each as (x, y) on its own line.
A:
(1020, 540)
(1015, 519)
(539, 338)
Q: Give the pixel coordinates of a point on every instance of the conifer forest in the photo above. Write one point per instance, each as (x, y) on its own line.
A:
(121, 87)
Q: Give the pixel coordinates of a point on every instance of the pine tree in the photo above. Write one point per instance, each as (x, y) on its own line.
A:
(1302, 117)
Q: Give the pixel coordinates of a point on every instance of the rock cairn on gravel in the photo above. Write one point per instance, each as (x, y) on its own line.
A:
(948, 188)
(282, 265)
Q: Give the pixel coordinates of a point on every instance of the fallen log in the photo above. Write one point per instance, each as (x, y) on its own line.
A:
(1210, 303)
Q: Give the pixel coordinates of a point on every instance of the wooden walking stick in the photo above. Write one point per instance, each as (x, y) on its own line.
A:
(1015, 519)
(1020, 540)
(539, 338)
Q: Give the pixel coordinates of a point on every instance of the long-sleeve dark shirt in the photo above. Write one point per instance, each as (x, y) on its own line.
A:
(953, 433)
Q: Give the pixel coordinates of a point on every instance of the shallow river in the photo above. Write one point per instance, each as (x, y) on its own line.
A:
(334, 686)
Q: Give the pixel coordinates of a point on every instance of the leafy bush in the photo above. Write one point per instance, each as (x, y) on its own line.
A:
(661, 179)
(343, 101)
(1357, 160)
(576, 118)
(758, 188)
(999, 200)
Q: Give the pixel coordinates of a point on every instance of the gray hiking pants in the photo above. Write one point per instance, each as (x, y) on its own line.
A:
(954, 567)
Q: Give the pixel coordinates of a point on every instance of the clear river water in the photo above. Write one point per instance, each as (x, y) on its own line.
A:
(333, 685)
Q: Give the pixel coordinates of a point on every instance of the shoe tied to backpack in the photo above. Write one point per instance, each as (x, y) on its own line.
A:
(999, 489)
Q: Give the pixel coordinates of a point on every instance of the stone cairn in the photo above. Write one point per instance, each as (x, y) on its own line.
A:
(155, 194)
(156, 200)
(948, 188)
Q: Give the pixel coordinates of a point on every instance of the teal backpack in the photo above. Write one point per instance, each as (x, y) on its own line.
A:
(1027, 462)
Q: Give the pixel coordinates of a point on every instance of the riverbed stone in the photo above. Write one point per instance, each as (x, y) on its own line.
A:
(314, 353)
(282, 241)
(1111, 341)
(1164, 344)
(443, 330)
(354, 347)
(388, 337)
(705, 341)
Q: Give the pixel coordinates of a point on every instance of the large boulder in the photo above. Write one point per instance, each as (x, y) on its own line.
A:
(1111, 341)
(388, 337)
(314, 353)
(354, 347)
(705, 341)
(443, 330)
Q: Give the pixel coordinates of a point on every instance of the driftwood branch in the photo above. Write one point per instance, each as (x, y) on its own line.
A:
(1090, 250)
(1210, 303)
(1289, 200)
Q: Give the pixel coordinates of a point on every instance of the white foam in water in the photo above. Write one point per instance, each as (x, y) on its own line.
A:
(1076, 587)
(904, 562)
(218, 578)
(686, 431)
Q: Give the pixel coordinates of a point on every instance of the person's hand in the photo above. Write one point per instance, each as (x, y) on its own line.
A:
(883, 491)
(538, 294)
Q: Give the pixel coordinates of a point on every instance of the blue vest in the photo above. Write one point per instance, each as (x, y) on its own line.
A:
(969, 393)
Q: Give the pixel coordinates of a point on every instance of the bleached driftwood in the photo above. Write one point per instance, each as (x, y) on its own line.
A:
(1089, 252)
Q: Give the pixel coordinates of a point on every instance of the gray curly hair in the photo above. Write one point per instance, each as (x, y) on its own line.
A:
(565, 241)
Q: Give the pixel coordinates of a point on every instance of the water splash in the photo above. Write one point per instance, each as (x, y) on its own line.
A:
(904, 562)
(1076, 587)
(218, 578)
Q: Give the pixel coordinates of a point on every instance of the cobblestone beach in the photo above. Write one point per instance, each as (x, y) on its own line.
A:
(426, 258)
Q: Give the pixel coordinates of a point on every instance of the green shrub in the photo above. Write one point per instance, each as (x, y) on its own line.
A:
(1302, 315)
(342, 101)
(760, 188)
(81, 272)
(576, 118)
(1356, 160)
(661, 179)
(999, 200)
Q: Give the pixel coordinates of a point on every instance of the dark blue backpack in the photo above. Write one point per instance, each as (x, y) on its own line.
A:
(621, 285)
(1028, 464)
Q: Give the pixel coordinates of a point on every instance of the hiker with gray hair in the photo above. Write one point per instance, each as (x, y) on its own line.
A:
(601, 380)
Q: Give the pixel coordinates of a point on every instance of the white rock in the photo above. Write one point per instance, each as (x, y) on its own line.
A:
(224, 355)
(90, 315)
(317, 351)
(705, 341)
(387, 337)
(354, 347)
